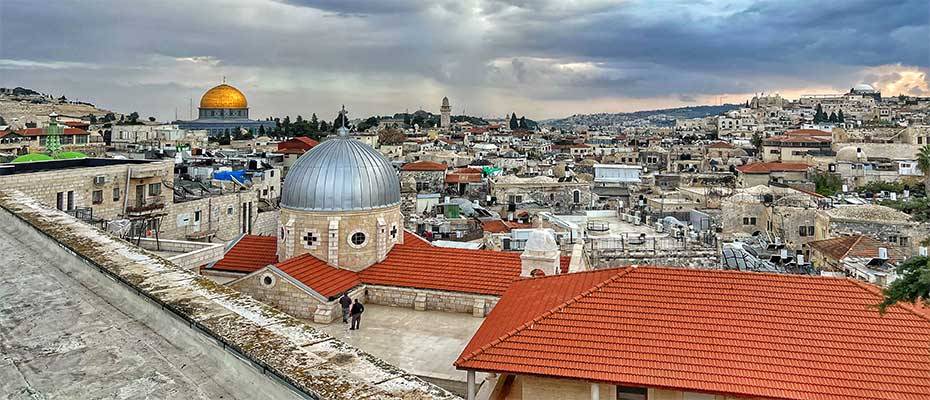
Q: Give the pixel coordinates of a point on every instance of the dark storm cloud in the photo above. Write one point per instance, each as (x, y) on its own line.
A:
(390, 52)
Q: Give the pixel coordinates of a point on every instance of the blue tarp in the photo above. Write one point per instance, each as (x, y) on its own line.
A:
(228, 175)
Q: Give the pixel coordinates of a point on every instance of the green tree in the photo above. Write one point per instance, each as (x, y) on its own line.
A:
(324, 127)
(134, 117)
(756, 141)
(3, 121)
(522, 123)
(513, 121)
(833, 117)
(261, 130)
(912, 285)
(840, 117)
(314, 123)
(923, 164)
(819, 115)
(827, 184)
(225, 139)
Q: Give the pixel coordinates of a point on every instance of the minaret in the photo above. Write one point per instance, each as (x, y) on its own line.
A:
(445, 118)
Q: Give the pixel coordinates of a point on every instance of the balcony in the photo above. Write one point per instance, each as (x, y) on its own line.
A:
(149, 205)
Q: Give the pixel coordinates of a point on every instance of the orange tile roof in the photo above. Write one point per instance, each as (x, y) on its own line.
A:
(797, 139)
(720, 145)
(768, 167)
(319, 276)
(249, 254)
(740, 334)
(854, 246)
(424, 166)
(808, 132)
(499, 226)
(416, 264)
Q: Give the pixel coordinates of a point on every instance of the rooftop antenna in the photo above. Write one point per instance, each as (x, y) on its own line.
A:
(224, 79)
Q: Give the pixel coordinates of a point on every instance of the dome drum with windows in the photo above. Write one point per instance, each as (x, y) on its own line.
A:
(340, 202)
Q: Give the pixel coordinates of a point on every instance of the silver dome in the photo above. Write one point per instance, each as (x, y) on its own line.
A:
(340, 174)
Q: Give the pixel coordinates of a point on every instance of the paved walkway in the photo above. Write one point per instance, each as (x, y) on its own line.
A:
(59, 340)
(422, 342)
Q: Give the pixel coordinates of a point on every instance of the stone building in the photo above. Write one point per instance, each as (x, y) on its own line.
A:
(763, 173)
(562, 195)
(109, 189)
(428, 176)
(879, 222)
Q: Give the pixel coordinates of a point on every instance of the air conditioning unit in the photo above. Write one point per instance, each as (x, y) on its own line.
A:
(100, 180)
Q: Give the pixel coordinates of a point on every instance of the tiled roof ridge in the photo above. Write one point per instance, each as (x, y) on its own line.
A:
(593, 271)
(878, 292)
(551, 311)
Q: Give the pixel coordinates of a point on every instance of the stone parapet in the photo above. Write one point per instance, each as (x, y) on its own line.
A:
(287, 354)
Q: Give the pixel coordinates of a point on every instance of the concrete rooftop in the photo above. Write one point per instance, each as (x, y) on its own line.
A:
(424, 343)
(59, 340)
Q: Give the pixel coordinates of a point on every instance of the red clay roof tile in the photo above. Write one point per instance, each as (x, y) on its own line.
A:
(249, 254)
(424, 166)
(854, 246)
(741, 334)
(319, 276)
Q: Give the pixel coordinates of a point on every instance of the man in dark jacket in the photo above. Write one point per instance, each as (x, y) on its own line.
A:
(346, 302)
(356, 313)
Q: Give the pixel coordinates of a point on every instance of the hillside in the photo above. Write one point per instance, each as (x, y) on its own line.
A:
(663, 116)
(20, 105)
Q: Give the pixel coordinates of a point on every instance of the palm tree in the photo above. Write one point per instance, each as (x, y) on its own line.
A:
(923, 164)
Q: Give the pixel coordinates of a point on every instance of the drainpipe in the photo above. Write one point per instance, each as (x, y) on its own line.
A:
(126, 192)
(470, 385)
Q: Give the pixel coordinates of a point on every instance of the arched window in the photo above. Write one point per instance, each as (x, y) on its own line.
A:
(576, 197)
(537, 273)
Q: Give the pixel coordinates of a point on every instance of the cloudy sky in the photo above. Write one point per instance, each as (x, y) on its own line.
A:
(545, 58)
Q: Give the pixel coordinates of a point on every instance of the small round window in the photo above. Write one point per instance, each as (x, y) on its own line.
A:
(267, 280)
(358, 238)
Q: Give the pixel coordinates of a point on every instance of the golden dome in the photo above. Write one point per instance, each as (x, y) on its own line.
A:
(223, 96)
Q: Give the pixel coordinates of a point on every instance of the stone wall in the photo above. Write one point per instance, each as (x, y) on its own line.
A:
(280, 293)
(266, 223)
(44, 186)
(560, 197)
(328, 235)
(525, 387)
(430, 300)
(426, 181)
(191, 255)
(222, 214)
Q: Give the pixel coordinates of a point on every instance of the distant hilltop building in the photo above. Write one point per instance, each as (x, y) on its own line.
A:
(445, 118)
(224, 109)
(864, 89)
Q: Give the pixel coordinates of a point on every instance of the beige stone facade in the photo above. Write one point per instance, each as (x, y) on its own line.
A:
(105, 189)
(525, 387)
(351, 240)
(113, 191)
(431, 300)
(277, 289)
